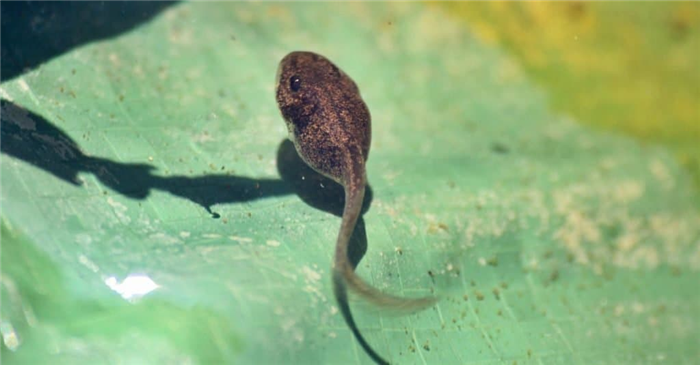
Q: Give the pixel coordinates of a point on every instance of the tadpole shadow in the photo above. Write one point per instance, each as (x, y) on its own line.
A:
(33, 32)
(322, 193)
(30, 137)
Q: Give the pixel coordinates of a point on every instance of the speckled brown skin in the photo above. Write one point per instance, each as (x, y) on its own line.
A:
(330, 127)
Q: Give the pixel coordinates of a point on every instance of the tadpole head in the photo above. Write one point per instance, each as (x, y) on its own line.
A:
(303, 79)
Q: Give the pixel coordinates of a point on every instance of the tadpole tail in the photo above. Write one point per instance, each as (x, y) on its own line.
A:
(342, 266)
(344, 276)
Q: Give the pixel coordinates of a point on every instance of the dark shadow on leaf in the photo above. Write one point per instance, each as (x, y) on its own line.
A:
(34, 32)
(33, 139)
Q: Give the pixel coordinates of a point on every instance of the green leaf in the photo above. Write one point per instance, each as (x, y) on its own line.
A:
(157, 159)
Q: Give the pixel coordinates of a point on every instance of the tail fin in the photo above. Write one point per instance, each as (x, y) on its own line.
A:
(344, 276)
(342, 266)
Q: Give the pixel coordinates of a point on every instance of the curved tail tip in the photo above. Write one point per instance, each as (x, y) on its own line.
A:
(417, 304)
(401, 305)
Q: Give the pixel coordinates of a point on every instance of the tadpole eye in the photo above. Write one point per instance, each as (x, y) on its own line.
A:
(295, 83)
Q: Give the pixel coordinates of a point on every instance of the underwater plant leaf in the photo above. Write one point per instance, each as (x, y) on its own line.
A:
(154, 212)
